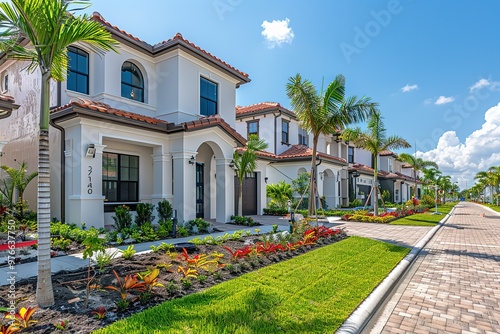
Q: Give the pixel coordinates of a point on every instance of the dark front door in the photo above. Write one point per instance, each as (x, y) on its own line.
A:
(199, 190)
(249, 194)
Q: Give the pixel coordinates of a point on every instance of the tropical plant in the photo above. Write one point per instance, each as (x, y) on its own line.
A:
(19, 180)
(129, 252)
(417, 164)
(127, 284)
(144, 214)
(374, 140)
(324, 113)
(10, 329)
(100, 312)
(49, 26)
(23, 318)
(122, 218)
(92, 245)
(246, 162)
(280, 193)
(150, 279)
(164, 209)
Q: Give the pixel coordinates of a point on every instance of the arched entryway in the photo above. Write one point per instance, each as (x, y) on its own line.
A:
(329, 188)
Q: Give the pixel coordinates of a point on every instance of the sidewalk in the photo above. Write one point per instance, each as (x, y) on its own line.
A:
(76, 261)
(454, 285)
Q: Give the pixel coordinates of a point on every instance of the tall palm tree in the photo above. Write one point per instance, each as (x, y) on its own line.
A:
(50, 26)
(375, 140)
(431, 176)
(487, 179)
(418, 164)
(247, 163)
(444, 183)
(324, 113)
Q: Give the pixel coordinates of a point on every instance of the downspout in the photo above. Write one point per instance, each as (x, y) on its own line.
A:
(63, 159)
(276, 131)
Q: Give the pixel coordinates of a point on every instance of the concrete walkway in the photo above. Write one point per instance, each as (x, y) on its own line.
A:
(454, 285)
(76, 261)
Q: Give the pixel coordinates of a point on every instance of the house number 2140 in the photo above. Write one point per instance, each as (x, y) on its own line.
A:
(89, 185)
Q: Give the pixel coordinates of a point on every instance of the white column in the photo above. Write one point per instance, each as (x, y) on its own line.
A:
(184, 179)
(224, 190)
(162, 178)
(87, 202)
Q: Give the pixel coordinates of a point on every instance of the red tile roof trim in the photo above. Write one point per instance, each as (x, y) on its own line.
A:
(106, 109)
(214, 120)
(257, 107)
(296, 151)
(178, 37)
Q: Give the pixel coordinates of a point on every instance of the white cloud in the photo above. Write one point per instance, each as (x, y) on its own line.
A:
(443, 100)
(409, 88)
(427, 101)
(479, 151)
(277, 32)
(485, 83)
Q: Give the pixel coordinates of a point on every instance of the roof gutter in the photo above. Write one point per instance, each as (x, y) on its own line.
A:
(63, 169)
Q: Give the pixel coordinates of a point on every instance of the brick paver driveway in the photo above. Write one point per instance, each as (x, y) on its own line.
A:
(454, 285)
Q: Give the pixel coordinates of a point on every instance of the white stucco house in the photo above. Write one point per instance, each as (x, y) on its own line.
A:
(157, 122)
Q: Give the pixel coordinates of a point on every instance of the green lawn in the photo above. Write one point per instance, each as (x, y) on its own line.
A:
(492, 206)
(311, 293)
(425, 219)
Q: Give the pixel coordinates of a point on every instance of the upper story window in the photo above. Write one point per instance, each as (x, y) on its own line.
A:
(120, 177)
(303, 137)
(252, 128)
(390, 165)
(78, 70)
(350, 154)
(132, 82)
(285, 131)
(208, 97)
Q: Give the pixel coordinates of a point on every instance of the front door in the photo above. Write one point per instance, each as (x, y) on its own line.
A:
(199, 190)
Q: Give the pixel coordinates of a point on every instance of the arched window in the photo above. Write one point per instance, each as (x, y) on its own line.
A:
(78, 70)
(132, 82)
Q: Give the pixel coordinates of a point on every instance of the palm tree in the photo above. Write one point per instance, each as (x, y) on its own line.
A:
(444, 183)
(280, 193)
(50, 26)
(487, 179)
(19, 181)
(246, 163)
(418, 164)
(324, 114)
(431, 176)
(375, 141)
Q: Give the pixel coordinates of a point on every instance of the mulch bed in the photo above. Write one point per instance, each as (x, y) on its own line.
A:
(69, 287)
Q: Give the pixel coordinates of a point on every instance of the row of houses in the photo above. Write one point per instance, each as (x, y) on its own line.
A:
(160, 121)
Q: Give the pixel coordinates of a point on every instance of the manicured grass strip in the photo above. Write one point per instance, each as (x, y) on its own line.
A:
(311, 293)
(492, 206)
(425, 219)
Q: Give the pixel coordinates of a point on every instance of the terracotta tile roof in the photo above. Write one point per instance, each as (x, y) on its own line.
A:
(296, 151)
(262, 107)
(407, 166)
(361, 168)
(386, 153)
(257, 107)
(214, 120)
(106, 109)
(177, 38)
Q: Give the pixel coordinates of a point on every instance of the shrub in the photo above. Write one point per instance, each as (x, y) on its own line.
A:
(355, 203)
(60, 243)
(427, 200)
(122, 218)
(182, 231)
(197, 225)
(242, 220)
(164, 210)
(164, 228)
(273, 211)
(144, 214)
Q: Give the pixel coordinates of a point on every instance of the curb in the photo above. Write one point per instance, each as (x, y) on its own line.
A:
(367, 309)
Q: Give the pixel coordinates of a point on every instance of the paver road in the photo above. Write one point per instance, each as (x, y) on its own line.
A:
(454, 285)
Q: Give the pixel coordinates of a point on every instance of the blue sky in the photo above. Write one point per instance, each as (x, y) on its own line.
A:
(433, 66)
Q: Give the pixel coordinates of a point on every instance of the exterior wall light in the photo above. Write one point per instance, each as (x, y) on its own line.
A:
(191, 160)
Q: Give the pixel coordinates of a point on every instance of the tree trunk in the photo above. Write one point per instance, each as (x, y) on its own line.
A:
(375, 187)
(240, 199)
(44, 291)
(311, 207)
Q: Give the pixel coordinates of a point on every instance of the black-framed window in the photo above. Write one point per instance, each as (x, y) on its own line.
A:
(78, 70)
(303, 137)
(350, 154)
(252, 128)
(120, 177)
(208, 97)
(132, 82)
(285, 131)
